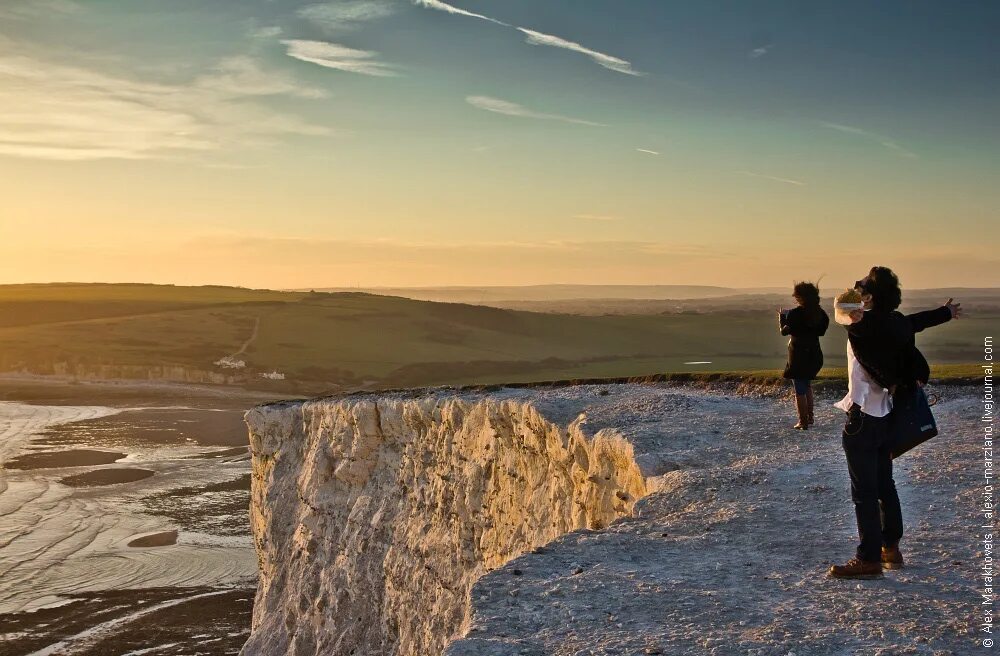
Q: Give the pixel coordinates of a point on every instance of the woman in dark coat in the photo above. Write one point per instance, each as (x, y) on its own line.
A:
(805, 324)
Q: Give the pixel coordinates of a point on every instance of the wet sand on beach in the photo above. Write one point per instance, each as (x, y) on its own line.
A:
(126, 393)
(235, 451)
(106, 477)
(155, 621)
(171, 548)
(208, 508)
(163, 539)
(152, 427)
(66, 458)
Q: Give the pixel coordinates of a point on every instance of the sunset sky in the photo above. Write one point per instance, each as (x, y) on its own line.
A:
(276, 143)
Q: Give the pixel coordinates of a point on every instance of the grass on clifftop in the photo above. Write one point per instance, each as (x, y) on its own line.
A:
(944, 373)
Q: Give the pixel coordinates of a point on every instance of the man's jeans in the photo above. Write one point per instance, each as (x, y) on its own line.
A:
(876, 504)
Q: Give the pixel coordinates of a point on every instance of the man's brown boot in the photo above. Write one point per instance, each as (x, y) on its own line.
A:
(892, 557)
(809, 406)
(802, 407)
(856, 568)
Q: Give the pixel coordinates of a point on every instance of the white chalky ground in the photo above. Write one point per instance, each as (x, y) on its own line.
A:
(730, 557)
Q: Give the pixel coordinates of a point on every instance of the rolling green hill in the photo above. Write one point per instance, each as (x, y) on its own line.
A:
(321, 341)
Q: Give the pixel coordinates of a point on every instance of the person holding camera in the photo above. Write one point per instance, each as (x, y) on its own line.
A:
(804, 325)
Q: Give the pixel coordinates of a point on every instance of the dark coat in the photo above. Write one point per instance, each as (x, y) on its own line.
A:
(805, 357)
(919, 321)
(883, 342)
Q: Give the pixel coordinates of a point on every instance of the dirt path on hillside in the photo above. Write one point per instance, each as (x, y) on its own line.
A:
(232, 360)
(250, 340)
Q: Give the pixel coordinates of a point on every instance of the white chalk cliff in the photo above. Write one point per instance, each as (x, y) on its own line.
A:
(667, 521)
(374, 516)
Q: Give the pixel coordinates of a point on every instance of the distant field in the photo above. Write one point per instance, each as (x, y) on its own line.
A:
(320, 341)
(546, 293)
(25, 305)
(979, 304)
(654, 299)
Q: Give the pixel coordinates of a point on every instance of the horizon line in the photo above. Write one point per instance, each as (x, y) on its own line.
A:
(451, 287)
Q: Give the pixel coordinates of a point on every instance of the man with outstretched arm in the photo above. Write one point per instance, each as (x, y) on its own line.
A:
(884, 365)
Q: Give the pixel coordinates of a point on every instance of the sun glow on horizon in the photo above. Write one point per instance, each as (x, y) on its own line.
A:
(427, 143)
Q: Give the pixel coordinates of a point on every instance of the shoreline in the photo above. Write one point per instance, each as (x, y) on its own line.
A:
(123, 394)
(138, 493)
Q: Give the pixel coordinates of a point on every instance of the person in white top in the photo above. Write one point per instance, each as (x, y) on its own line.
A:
(865, 441)
(873, 399)
(884, 338)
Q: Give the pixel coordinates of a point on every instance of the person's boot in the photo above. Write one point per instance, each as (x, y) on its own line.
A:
(892, 557)
(809, 401)
(802, 407)
(856, 568)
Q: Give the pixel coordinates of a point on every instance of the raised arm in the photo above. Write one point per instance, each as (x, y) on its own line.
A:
(931, 318)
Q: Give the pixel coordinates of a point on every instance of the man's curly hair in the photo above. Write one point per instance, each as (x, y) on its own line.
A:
(883, 285)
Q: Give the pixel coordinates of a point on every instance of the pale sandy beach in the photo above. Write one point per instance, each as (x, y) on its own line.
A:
(101, 504)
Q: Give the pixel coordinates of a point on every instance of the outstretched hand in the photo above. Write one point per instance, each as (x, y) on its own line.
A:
(954, 308)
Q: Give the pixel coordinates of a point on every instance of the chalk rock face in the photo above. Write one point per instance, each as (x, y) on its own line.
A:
(373, 515)
(408, 524)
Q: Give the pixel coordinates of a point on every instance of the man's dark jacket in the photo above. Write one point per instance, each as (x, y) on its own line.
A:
(883, 342)
(919, 321)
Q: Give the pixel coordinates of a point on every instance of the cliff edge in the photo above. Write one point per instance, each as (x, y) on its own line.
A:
(625, 519)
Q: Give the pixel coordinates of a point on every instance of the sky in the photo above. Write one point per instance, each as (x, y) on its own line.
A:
(284, 143)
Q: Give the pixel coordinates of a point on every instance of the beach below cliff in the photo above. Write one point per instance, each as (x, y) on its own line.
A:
(124, 513)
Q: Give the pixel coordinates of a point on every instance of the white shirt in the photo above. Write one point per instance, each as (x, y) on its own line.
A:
(875, 400)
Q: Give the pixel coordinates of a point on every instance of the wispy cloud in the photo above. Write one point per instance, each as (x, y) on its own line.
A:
(790, 181)
(892, 145)
(266, 32)
(23, 9)
(761, 51)
(333, 55)
(244, 76)
(883, 141)
(536, 38)
(55, 111)
(647, 151)
(498, 106)
(596, 217)
(607, 61)
(345, 16)
(441, 6)
(844, 128)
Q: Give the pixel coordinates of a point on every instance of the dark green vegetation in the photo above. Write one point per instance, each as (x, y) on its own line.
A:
(329, 341)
